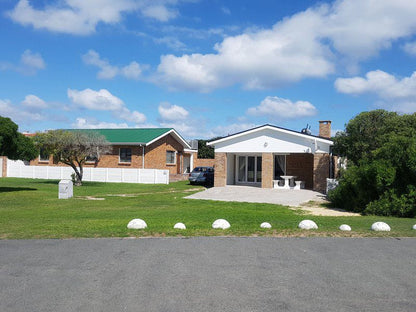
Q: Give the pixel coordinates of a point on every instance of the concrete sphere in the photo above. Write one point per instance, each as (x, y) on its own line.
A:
(266, 225)
(414, 227)
(137, 224)
(221, 224)
(380, 226)
(308, 225)
(345, 227)
(179, 226)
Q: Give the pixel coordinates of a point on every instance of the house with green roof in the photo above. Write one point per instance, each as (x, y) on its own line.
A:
(140, 148)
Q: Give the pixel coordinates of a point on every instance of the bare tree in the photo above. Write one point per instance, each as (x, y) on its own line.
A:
(73, 148)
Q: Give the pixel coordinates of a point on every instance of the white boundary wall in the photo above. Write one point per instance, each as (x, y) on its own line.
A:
(18, 169)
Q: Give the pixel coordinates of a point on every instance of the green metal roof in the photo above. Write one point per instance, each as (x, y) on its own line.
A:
(129, 135)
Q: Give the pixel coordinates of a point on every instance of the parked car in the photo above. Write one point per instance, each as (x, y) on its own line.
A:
(202, 175)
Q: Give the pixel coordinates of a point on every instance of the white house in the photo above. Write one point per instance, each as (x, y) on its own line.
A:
(264, 154)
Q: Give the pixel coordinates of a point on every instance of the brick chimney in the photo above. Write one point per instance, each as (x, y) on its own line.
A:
(325, 128)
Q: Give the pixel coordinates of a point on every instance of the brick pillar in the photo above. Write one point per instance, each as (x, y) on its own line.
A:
(220, 174)
(4, 166)
(320, 172)
(267, 170)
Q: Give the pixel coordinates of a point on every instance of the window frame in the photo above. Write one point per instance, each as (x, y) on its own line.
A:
(43, 160)
(119, 155)
(174, 157)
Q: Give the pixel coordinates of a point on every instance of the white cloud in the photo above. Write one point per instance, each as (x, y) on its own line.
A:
(279, 108)
(171, 112)
(103, 100)
(108, 71)
(32, 60)
(159, 12)
(225, 10)
(308, 44)
(222, 131)
(393, 93)
(171, 42)
(81, 17)
(32, 101)
(17, 114)
(83, 123)
(29, 63)
(410, 48)
(95, 100)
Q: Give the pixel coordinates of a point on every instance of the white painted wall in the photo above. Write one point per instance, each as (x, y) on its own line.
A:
(230, 169)
(272, 141)
(18, 169)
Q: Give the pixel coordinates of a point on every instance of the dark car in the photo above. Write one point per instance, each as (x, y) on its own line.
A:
(202, 175)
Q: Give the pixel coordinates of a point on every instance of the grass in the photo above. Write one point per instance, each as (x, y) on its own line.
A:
(31, 209)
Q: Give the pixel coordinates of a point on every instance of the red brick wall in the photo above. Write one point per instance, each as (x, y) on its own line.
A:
(4, 166)
(301, 165)
(199, 162)
(320, 172)
(220, 174)
(267, 165)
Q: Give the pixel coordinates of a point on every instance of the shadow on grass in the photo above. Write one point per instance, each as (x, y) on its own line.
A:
(16, 189)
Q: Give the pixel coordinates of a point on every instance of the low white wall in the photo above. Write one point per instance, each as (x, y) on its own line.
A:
(18, 169)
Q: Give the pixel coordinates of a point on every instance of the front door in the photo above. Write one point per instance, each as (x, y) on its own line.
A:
(249, 170)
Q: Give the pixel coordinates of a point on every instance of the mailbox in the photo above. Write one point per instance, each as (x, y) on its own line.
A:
(65, 189)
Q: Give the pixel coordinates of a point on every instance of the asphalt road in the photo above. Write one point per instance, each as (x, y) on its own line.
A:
(208, 274)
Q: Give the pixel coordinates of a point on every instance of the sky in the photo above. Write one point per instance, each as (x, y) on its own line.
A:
(207, 68)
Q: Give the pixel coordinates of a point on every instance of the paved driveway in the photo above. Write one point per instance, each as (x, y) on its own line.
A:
(208, 274)
(252, 194)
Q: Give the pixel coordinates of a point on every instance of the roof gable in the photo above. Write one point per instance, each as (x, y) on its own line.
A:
(272, 139)
(136, 136)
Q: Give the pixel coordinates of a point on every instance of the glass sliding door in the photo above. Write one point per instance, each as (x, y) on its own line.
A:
(249, 169)
(258, 169)
(241, 169)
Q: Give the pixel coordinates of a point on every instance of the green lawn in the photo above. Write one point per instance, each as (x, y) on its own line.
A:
(31, 209)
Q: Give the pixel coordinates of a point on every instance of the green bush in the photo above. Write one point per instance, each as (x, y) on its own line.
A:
(390, 204)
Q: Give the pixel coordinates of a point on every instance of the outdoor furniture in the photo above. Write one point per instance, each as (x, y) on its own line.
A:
(288, 182)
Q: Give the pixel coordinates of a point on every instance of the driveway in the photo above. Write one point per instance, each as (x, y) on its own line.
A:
(208, 274)
(292, 198)
(252, 194)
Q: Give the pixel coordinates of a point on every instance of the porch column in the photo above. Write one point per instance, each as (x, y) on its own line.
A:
(320, 172)
(220, 173)
(267, 170)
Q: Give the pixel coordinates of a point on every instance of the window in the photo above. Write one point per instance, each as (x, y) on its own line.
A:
(43, 155)
(125, 155)
(91, 159)
(170, 157)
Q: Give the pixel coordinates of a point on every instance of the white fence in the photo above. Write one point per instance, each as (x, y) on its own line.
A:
(18, 169)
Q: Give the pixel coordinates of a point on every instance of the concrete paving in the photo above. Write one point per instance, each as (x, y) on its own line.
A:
(208, 274)
(251, 194)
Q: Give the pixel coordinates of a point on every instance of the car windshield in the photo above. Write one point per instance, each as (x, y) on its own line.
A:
(200, 169)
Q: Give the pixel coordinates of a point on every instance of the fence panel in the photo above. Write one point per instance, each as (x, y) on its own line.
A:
(19, 169)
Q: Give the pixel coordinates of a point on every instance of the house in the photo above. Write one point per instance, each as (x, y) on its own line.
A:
(264, 154)
(147, 148)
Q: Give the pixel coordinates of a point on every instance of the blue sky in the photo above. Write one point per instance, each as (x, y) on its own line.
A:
(205, 67)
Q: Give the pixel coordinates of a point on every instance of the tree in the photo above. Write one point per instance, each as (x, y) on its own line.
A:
(73, 147)
(381, 176)
(13, 144)
(205, 151)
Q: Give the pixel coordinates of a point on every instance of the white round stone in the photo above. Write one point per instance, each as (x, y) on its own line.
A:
(380, 226)
(308, 225)
(414, 227)
(345, 227)
(137, 224)
(221, 224)
(179, 226)
(266, 225)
